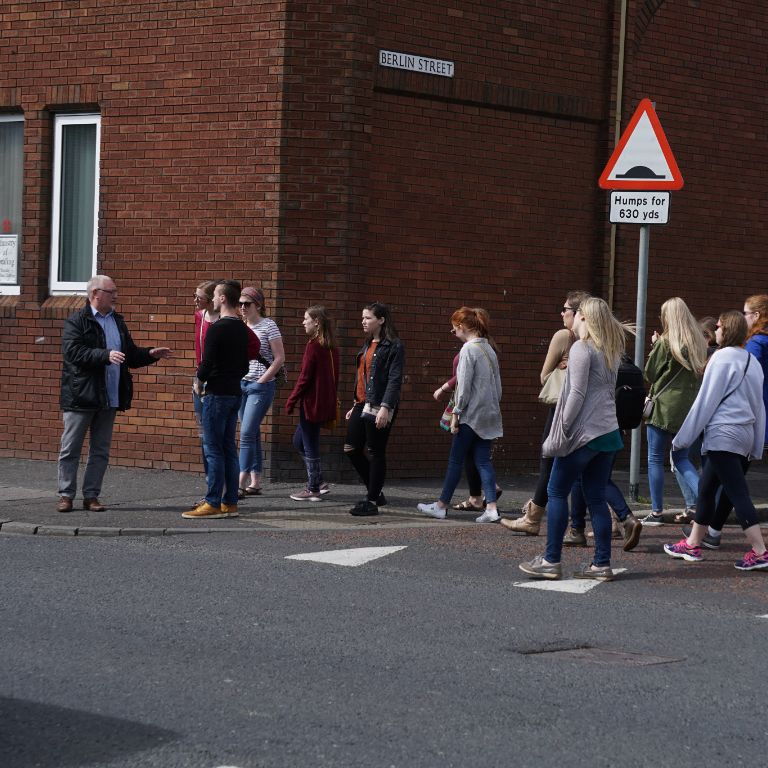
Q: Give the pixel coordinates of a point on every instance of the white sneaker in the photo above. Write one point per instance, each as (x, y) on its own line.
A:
(433, 510)
(488, 517)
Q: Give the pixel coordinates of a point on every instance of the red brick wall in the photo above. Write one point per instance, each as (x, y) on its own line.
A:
(262, 141)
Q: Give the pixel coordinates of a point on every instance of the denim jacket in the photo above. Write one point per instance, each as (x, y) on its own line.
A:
(386, 374)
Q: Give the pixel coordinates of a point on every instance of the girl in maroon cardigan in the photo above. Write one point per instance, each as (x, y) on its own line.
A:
(316, 394)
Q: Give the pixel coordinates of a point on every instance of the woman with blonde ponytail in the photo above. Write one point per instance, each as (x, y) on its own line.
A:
(584, 439)
(673, 371)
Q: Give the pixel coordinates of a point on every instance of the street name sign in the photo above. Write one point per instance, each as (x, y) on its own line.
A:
(413, 63)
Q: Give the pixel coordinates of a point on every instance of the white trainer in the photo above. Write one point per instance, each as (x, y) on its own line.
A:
(433, 510)
(488, 517)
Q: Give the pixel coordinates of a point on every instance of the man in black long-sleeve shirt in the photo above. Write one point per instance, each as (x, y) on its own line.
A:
(224, 363)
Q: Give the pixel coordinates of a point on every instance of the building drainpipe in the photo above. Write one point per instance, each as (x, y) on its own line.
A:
(616, 137)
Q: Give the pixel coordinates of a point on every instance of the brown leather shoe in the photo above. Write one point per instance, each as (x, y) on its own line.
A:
(93, 505)
(65, 504)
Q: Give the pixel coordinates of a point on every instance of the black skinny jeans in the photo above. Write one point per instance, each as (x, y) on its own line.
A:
(726, 469)
(540, 497)
(362, 433)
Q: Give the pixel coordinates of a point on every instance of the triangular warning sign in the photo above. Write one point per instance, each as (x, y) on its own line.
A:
(643, 158)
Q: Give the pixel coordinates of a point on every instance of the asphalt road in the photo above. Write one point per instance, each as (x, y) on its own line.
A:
(217, 651)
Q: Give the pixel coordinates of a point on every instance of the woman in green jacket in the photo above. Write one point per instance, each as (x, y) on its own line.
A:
(674, 370)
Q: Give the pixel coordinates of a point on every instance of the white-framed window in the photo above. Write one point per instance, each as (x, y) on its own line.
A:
(75, 204)
(11, 190)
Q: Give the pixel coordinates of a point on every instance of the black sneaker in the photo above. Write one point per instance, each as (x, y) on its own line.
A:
(710, 542)
(653, 519)
(364, 509)
(381, 501)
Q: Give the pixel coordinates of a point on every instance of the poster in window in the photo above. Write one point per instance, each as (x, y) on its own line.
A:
(9, 259)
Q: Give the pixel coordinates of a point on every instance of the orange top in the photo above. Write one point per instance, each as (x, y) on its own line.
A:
(363, 369)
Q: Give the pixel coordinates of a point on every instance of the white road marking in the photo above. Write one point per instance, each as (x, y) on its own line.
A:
(573, 586)
(764, 616)
(347, 557)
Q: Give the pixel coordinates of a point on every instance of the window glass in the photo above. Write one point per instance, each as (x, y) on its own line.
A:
(75, 201)
(11, 168)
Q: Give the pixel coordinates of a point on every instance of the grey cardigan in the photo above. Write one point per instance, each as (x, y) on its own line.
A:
(587, 405)
(478, 389)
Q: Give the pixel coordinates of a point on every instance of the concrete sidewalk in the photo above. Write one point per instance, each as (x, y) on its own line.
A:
(150, 502)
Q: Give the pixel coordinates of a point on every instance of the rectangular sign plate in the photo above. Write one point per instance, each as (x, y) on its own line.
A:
(639, 207)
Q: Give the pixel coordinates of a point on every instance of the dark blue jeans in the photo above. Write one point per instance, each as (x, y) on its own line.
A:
(613, 496)
(466, 440)
(219, 428)
(198, 405)
(306, 438)
(594, 467)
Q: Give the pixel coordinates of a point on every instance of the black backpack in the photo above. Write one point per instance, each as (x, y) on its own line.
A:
(630, 394)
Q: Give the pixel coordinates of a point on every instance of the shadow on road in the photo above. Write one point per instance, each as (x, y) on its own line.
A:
(45, 736)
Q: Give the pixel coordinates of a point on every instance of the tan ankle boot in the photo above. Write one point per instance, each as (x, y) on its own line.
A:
(530, 522)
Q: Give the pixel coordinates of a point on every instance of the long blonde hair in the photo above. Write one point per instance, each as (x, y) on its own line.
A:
(605, 332)
(686, 341)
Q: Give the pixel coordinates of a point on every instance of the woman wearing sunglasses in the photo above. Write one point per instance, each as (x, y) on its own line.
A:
(258, 387)
(557, 358)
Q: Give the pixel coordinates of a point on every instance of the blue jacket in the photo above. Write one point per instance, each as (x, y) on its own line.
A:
(758, 346)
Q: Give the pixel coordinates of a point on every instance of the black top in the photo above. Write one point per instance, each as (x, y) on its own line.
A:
(225, 357)
(86, 357)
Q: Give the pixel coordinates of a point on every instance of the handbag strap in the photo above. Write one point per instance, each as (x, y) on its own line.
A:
(654, 396)
(743, 376)
(488, 357)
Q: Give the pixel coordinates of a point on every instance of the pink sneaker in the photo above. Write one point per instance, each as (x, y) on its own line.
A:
(753, 562)
(682, 551)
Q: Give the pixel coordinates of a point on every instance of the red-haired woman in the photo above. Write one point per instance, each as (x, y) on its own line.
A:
(316, 395)
(476, 419)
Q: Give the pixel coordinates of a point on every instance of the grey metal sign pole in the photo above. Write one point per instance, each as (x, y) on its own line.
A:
(642, 296)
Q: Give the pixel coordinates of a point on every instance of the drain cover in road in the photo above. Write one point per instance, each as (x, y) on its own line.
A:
(348, 557)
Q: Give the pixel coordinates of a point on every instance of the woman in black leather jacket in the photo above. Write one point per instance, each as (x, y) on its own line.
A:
(379, 376)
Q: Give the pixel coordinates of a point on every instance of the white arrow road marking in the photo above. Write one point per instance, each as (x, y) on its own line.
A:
(348, 557)
(574, 586)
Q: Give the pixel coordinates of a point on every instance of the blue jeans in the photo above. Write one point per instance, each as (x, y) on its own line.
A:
(257, 399)
(464, 441)
(594, 467)
(613, 497)
(219, 429)
(306, 440)
(689, 494)
(659, 441)
(197, 402)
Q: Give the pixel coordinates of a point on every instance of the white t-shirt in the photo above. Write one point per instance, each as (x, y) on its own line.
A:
(266, 329)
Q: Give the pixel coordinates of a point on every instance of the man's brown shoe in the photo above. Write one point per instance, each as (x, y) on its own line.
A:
(93, 505)
(65, 504)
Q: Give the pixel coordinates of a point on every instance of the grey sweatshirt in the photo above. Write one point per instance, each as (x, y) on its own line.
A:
(736, 423)
(587, 405)
(478, 389)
